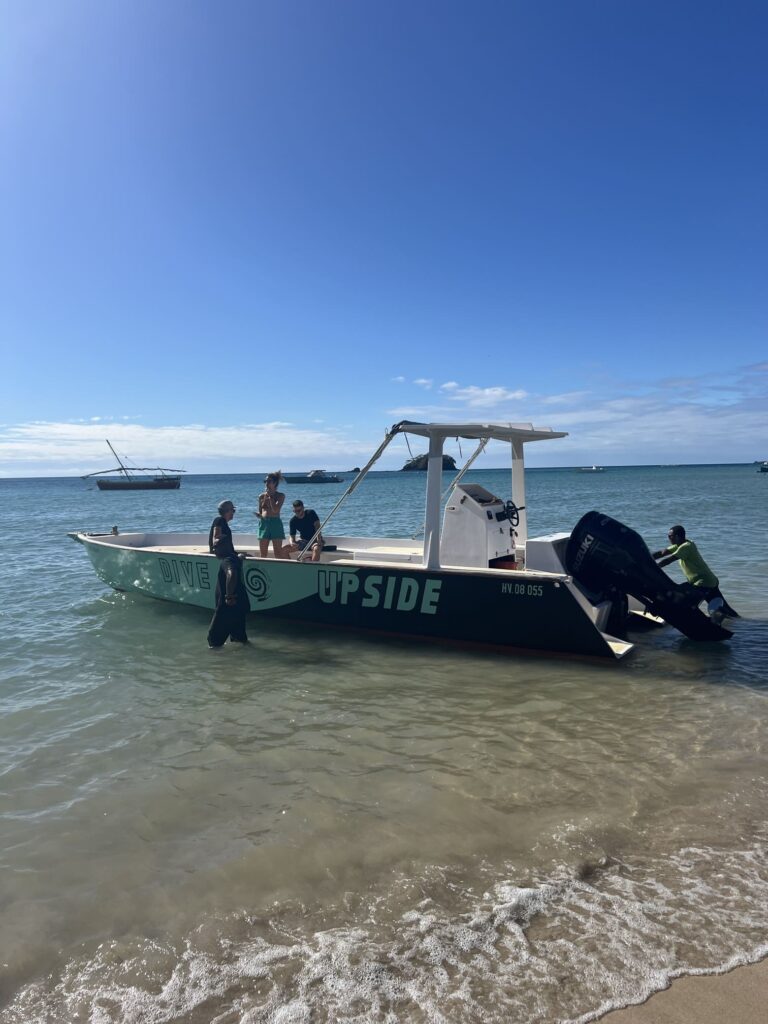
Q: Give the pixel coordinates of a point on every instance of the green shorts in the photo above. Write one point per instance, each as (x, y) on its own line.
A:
(271, 528)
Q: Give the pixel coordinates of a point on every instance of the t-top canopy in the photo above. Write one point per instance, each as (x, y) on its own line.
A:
(477, 431)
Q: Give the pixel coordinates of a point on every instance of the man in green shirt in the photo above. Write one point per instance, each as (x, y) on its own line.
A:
(697, 572)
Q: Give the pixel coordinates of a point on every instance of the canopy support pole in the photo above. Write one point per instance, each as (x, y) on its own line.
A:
(431, 557)
(518, 490)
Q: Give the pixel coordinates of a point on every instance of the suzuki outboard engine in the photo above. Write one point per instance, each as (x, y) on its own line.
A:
(604, 554)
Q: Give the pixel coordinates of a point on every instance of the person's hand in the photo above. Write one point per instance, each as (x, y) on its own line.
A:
(657, 554)
(231, 598)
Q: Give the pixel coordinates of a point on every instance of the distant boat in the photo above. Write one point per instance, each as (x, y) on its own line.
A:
(131, 479)
(763, 467)
(315, 476)
(592, 469)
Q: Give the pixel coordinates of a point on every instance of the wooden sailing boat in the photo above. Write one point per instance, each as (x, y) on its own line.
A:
(154, 478)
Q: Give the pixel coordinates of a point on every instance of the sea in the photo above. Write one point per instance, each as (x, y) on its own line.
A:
(324, 826)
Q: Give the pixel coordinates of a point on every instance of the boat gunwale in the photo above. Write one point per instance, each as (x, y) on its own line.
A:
(107, 540)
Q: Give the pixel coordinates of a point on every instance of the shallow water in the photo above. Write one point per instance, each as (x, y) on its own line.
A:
(323, 827)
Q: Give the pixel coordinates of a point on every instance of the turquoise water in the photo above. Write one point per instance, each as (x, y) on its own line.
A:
(323, 827)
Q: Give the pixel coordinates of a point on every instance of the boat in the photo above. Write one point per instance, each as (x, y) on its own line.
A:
(475, 577)
(763, 467)
(135, 478)
(591, 469)
(315, 476)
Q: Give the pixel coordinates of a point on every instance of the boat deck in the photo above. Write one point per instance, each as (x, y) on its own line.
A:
(375, 554)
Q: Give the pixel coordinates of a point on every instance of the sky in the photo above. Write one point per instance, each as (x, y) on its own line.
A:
(246, 235)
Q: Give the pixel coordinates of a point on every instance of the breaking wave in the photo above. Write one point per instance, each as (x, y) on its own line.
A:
(433, 949)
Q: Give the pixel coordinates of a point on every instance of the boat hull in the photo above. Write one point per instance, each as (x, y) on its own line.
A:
(294, 479)
(494, 608)
(169, 483)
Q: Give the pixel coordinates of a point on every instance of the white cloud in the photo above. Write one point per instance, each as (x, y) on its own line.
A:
(481, 398)
(398, 380)
(711, 418)
(80, 447)
(424, 382)
(656, 428)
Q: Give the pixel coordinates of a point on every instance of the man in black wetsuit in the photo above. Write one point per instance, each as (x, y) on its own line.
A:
(232, 603)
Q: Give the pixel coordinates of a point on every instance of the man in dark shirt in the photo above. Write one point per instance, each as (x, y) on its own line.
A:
(232, 603)
(305, 523)
(220, 535)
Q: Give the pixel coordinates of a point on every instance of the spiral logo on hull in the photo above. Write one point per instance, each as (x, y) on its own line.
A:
(257, 583)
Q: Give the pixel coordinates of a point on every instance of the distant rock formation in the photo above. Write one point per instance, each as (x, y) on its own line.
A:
(420, 462)
(355, 470)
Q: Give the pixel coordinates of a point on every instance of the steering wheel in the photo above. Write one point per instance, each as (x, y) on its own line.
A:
(513, 512)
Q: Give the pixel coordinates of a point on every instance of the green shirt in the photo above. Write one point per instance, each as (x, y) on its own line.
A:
(693, 565)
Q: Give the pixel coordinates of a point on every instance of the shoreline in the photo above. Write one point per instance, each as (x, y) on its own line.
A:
(740, 994)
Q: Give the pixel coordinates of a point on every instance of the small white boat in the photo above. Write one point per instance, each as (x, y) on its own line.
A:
(475, 578)
(315, 476)
(591, 469)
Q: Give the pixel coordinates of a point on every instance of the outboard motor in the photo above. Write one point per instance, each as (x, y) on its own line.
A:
(604, 554)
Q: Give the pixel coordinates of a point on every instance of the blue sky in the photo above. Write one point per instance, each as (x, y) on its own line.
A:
(242, 235)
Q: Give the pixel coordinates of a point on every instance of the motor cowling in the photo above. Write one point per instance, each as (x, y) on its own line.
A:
(603, 553)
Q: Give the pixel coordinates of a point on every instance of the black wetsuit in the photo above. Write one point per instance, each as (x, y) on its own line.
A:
(223, 548)
(228, 619)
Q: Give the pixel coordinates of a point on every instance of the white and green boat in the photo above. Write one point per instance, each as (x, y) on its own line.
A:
(474, 578)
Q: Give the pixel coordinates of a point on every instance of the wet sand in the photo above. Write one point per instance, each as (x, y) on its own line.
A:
(741, 996)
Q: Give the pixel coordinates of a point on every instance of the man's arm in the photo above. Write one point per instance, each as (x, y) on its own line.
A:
(668, 561)
(230, 590)
(214, 535)
(668, 555)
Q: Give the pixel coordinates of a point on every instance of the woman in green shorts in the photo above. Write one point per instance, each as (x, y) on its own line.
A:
(270, 524)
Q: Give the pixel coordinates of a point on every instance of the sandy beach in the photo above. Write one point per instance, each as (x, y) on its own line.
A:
(740, 997)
